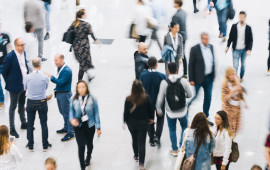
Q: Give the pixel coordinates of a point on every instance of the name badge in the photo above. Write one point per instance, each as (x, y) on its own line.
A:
(84, 118)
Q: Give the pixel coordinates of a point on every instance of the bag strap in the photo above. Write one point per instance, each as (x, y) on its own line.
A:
(197, 150)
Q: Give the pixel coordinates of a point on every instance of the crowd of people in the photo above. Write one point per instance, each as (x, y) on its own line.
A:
(154, 96)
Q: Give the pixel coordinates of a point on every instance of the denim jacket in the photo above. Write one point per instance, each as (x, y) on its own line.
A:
(167, 54)
(203, 159)
(91, 109)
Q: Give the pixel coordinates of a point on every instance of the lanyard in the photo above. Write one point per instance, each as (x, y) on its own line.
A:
(61, 70)
(175, 43)
(83, 103)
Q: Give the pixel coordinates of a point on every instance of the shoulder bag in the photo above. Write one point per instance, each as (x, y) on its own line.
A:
(190, 162)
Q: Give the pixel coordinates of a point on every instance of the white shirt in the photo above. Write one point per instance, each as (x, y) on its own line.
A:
(9, 161)
(141, 14)
(208, 59)
(31, 47)
(240, 44)
(21, 60)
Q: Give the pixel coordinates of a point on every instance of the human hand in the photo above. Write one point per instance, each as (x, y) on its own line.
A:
(226, 50)
(74, 122)
(248, 52)
(49, 97)
(124, 126)
(98, 132)
(223, 167)
(48, 74)
(211, 4)
(192, 83)
(180, 61)
(98, 42)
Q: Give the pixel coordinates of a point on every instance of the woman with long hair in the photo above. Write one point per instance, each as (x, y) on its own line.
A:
(223, 136)
(81, 45)
(9, 154)
(84, 116)
(232, 96)
(138, 114)
(199, 135)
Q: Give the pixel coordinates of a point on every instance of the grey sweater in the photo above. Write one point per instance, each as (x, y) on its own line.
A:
(34, 12)
(180, 18)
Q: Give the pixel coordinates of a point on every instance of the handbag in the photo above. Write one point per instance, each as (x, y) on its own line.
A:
(152, 23)
(69, 36)
(190, 162)
(235, 152)
(132, 32)
(231, 11)
(78, 2)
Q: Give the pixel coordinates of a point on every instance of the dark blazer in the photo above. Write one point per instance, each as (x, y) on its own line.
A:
(233, 37)
(12, 72)
(196, 65)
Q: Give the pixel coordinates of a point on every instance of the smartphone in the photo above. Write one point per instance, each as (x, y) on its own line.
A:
(12, 138)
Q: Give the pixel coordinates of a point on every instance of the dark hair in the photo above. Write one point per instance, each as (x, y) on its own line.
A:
(28, 26)
(152, 62)
(172, 24)
(256, 167)
(77, 93)
(172, 67)
(242, 13)
(179, 2)
(200, 124)
(225, 122)
(137, 96)
(79, 15)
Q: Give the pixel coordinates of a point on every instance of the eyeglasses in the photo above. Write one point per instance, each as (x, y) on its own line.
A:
(21, 45)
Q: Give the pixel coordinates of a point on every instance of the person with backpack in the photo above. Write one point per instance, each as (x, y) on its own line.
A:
(151, 80)
(174, 92)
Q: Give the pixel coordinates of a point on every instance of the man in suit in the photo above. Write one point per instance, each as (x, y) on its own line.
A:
(202, 71)
(15, 69)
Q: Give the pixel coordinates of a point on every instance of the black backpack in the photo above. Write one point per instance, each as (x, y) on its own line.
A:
(176, 95)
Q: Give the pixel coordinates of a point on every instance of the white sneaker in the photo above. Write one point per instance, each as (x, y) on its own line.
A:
(174, 153)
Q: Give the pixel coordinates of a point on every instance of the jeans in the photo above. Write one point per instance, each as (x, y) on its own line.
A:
(240, 54)
(16, 98)
(84, 136)
(172, 129)
(207, 86)
(63, 106)
(42, 108)
(222, 16)
(39, 33)
(2, 97)
(47, 16)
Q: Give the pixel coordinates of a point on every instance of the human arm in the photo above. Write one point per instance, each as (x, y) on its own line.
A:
(151, 110)
(96, 113)
(161, 97)
(6, 67)
(187, 88)
(227, 93)
(165, 41)
(66, 75)
(90, 31)
(230, 39)
(73, 121)
(228, 150)
(191, 66)
(180, 49)
(250, 42)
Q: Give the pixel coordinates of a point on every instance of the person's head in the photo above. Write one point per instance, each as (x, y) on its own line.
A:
(256, 167)
(142, 48)
(230, 74)
(36, 63)
(172, 68)
(178, 4)
(59, 60)
(174, 27)
(4, 139)
(222, 122)
(137, 96)
(81, 89)
(242, 17)
(202, 131)
(81, 14)
(29, 28)
(140, 2)
(50, 164)
(152, 63)
(19, 45)
(205, 38)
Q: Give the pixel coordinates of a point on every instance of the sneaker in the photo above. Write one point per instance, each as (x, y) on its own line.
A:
(30, 148)
(152, 143)
(1, 106)
(43, 59)
(62, 131)
(86, 163)
(47, 36)
(47, 148)
(24, 126)
(224, 39)
(68, 137)
(174, 153)
(241, 80)
(160, 61)
(196, 10)
(156, 140)
(14, 133)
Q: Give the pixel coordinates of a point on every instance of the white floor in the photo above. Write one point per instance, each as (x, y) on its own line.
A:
(114, 75)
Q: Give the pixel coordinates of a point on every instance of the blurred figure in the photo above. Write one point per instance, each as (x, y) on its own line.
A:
(267, 152)
(232, 95)
(142, 13)
(202, 71)
(84, 117)
(256, 167)
(201, 141)
(47, 4)
(242, 41)
(138, 114)
(5, 48)
(268, 61)
(81, 44)
(50, 164)
(14, 71)
(141, 59)
(10, 156)
(195, 7)
(223, 137)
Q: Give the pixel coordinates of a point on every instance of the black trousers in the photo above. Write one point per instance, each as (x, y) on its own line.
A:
(138, 142)
(152, 133)
(84, 136)
(142, 38)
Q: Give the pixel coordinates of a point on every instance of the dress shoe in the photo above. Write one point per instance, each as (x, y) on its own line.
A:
(14, 133)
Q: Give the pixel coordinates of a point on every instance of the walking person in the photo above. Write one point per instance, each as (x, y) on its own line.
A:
(10, 155)
(47, 5)
(34, 12)
(141, 59)
(223, 137)
(232, 96)
(201, 140)
(15, 69)
(268, 61)
(167, 95)
(63, 93)
(267, 152)
(202, 71)
(138, 114)
(242, 41)
(81, 45)
(36, 85)
(180, 18)
(151, 80)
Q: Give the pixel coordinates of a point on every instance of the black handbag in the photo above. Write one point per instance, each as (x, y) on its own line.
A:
(231, 11)
(69, 36)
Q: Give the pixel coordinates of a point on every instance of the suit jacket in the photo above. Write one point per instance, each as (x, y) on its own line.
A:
(12, 72)
(196, 65)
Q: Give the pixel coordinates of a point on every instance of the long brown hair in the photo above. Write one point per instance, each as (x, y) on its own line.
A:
(137, 96)
(225, 122)
(79, 15)
(77, 93)
(4, 140)
(200, 124)
(231, 70)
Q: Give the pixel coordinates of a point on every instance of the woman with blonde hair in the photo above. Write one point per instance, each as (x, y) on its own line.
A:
(50, 164)
(232, 96)
(9, 154)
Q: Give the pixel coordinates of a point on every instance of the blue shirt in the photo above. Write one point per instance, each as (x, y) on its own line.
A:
(63, 82)
(208, 58)
(36, 85)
